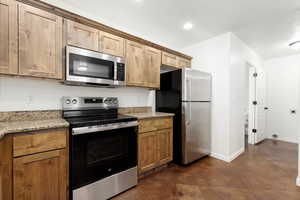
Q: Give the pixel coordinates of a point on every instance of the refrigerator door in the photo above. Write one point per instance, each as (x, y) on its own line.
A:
(196, 85)
(196, 137)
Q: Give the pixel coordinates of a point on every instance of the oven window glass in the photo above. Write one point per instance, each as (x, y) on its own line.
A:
(106, 149)
(91, 67)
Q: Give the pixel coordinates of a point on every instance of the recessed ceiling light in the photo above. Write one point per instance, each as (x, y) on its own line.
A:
(188, 26)
(138, 1)
(295, 45)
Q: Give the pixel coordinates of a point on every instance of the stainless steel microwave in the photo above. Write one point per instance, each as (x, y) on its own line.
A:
(93, 68)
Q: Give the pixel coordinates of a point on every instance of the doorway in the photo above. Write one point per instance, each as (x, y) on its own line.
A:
(256, 105)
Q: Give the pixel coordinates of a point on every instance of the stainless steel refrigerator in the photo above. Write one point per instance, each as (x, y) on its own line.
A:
(187, 94)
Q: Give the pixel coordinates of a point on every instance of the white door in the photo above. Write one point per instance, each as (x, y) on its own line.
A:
(282, 100)
(260, 115)
(257, 112)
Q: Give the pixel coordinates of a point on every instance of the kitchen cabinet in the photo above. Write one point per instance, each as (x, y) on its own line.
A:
(34, 165)
(41, 176)
(6, 182)
(135, 67)
(82, 36)
(152, 67)
(8, 37)
(112, 44)
(184, 63)
(155, 143)
(40, 43)
(142, 65)
(164, 146)
(147, 151)
(169, 59)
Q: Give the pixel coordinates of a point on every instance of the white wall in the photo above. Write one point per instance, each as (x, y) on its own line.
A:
(225, 57)
(240, 58)
(213, 56)
(283, 86)
(18, 94)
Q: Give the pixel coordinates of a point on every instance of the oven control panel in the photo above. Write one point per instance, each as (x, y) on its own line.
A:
(73, 103)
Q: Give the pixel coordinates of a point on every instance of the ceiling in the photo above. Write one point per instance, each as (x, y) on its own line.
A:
(267, 26)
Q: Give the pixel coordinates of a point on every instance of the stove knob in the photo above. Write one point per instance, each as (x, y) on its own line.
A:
(115, 101)
(74, 101)
(68, 101)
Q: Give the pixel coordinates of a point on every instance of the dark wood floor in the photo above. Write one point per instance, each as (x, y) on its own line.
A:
(266, 171)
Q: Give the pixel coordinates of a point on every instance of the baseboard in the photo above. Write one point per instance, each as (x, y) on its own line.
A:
(298, 181)
(218, 156)
(228, 158)
(236, 154)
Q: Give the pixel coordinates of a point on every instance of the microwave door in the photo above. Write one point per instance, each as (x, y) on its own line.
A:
(90, 67)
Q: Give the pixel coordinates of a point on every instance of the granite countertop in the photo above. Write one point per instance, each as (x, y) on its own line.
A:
(25, 126)
(148, 115)
(18, 122)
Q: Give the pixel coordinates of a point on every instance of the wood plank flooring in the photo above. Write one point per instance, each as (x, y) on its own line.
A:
(266, 171)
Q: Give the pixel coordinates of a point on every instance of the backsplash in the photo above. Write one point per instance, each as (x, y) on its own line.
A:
(22, 94)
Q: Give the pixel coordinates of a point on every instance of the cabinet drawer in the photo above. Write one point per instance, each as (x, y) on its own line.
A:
(41, 141)
(147, 125)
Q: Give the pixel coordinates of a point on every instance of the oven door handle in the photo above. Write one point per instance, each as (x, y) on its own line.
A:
(100, 128)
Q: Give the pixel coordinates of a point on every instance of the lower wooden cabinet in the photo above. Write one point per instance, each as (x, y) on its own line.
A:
(147, 151)
(41, 176)
(164, 146)
(38, 170)
(155, 148)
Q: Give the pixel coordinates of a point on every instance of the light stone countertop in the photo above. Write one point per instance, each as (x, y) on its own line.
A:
(149, 115)
(34, 125)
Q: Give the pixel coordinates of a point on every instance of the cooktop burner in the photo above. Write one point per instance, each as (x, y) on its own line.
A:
(91, 111)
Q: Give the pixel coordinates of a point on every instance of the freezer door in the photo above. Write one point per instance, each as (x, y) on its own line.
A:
(196, 134)
(196, 85)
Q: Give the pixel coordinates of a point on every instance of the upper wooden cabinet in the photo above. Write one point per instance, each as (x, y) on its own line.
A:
(112, 44)
(135, 64)
(8, 37)
(142, 65)
(82, 36)
(169, 59)
(183, 63)
(40, 43)
(152, 67)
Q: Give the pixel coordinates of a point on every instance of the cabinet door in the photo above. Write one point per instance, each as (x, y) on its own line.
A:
(169, 59)
(183, 63)
(152, 64)
(112, 44)
(82, 36)
(165, 146)
(40, 43)
(135, 66)
(8, 37)
(41, 176)
(147, 151)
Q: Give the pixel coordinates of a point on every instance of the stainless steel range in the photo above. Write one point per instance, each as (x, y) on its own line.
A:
(103, 148)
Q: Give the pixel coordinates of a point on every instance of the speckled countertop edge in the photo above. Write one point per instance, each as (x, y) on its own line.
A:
(149, 115)
(26, 121)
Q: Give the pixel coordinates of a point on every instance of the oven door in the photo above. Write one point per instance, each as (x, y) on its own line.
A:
(97, 155)
(90, 67)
